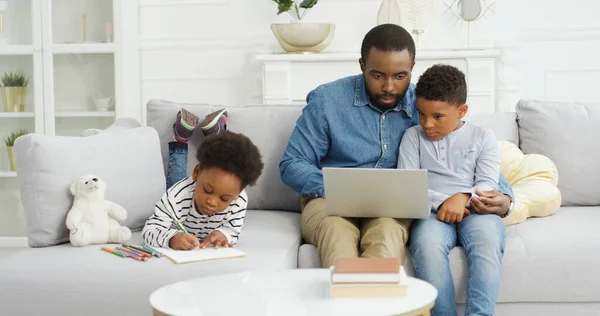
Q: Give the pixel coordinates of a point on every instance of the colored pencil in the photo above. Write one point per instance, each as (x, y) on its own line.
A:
(132, 255)
(156, 253)
(114, 252)
(172, 214)
(147, 250)
(137, 251)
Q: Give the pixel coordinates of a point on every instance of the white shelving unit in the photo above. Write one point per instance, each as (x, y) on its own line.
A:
(71, 59)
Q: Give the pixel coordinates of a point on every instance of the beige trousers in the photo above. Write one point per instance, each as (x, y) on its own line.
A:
(339, 237)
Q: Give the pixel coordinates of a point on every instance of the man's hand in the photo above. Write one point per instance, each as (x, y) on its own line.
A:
(217, 238)
(490, 202)
(453, 209)
(183, 241)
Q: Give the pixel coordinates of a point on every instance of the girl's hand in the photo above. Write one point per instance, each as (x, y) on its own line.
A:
(217, 238)
(183, 241)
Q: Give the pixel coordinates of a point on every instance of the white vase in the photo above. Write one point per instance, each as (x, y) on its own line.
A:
(389, 12)
(303, 37)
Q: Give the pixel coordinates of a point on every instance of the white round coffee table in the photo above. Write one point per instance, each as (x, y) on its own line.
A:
(281, 292)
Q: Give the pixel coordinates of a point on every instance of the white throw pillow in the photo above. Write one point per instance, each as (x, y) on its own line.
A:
(129, 162)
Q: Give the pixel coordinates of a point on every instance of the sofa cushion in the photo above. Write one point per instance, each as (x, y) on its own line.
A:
(66, 280)
(504, 125)
(129, 162)
(533, 179)
(268, 126)
(567, 133)
(551, 259)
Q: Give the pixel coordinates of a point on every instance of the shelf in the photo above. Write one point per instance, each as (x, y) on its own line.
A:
(85, 114)
(8, 174)
(11, 50)
(90, 48)
(343, 57)
(16, 114)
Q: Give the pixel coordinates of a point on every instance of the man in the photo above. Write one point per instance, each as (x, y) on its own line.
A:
(358, 121)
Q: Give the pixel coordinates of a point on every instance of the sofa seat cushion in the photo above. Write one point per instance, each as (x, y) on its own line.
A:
(65, 280)
(551, 259)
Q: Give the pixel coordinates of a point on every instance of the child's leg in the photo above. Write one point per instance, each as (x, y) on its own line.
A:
(183, 129)
(214, 123)
(430, 243)
(482, 237)
(177, 167)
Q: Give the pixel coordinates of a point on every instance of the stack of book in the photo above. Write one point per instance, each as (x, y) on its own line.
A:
(368, 277)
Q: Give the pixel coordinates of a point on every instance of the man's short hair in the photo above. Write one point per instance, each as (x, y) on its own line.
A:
(388, 38)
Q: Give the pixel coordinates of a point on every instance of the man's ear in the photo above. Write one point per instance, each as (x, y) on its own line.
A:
(363, 67)
(462, 110)
(73, 187)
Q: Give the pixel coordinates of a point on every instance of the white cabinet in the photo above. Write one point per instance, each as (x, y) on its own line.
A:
(287, 78)
(75, 53)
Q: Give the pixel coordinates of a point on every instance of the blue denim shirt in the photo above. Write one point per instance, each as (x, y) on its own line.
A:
(340, 128)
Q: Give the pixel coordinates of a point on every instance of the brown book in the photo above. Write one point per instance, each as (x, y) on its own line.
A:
(367, 290)
(366, 270)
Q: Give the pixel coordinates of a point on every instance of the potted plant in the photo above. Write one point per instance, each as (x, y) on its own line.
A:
(14, 88)
(300, 36)
(10, 143)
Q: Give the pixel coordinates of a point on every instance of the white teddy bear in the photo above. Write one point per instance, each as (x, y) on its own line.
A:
(89, 218)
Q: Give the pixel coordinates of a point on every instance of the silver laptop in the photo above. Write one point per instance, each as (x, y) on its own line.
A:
(363, 192)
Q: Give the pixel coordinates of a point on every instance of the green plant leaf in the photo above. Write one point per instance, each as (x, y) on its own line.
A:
(14, 79)
(12, 137)
(307, 4)
(283, 5)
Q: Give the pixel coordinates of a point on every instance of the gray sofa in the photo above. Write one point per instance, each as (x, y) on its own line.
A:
(548, 265)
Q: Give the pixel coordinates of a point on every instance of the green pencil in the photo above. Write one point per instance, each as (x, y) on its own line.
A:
(172, 214)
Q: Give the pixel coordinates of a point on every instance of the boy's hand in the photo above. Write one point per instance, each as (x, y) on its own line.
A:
(217, 238)
(453, 209)
(183, 241)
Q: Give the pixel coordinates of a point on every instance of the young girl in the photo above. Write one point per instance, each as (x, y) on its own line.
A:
(211, 203)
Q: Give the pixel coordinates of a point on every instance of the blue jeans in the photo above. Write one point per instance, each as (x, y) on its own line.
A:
(483, 239)
(177, 167)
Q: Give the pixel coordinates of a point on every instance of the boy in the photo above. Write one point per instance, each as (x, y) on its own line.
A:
(462, 160)
(211, 203)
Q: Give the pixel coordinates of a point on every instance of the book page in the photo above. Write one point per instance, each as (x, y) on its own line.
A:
(208, 253)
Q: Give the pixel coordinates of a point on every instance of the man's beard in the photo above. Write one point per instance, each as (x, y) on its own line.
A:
(384, 106)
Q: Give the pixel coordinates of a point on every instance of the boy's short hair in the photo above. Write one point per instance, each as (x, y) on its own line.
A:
(232, 152)
(443, 83)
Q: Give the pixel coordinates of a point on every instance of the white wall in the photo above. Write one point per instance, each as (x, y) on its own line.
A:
(201, 50)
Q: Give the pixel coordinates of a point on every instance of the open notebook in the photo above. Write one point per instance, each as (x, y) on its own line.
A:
(209, 253)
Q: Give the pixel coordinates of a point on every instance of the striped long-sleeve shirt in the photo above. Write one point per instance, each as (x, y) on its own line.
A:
(159, 228)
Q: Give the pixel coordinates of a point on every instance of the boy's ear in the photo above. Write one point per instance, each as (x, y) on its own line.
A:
(462, 110)
(196, 172)
(363, 67)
